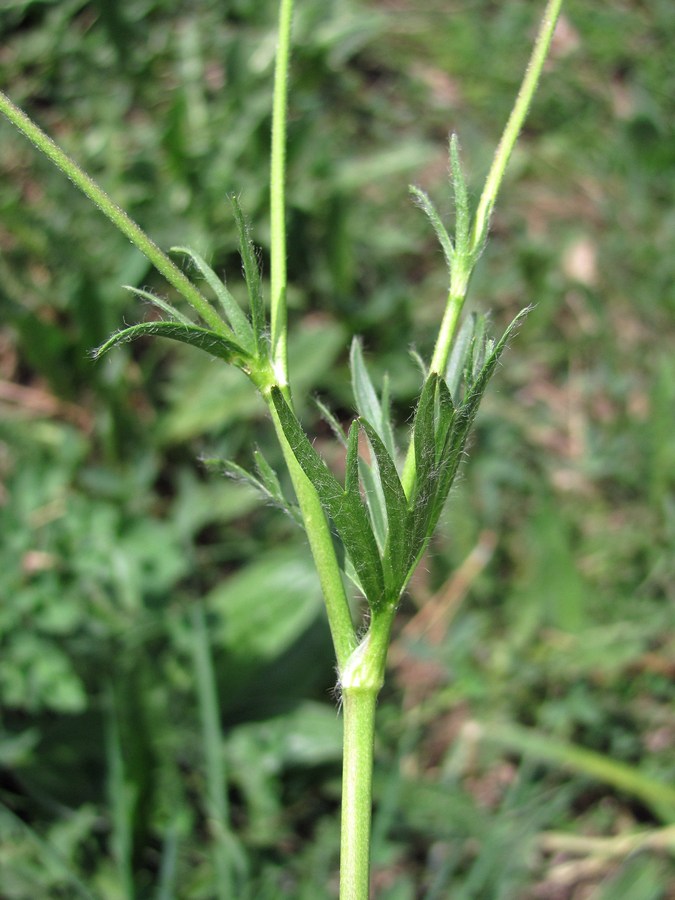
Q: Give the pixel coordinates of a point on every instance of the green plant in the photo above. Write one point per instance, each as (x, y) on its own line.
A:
(387, 509)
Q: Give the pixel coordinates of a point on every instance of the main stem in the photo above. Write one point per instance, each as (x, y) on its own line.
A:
(362, 680)
(357, 792)
(278, 314)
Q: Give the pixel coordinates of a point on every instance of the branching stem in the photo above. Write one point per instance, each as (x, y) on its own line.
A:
(116, 214)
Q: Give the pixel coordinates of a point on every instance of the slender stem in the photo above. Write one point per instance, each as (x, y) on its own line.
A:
(361, 681)
(461, 272)
(116, 214)
(323, 551)
(357, 786)
(278, 195)
(515, 122)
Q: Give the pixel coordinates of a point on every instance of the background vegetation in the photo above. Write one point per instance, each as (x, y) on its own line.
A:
(543, 617)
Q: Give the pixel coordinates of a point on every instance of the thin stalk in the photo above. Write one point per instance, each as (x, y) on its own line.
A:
(278, 313)
(361, 682)
(515, 122)
(314, 518)
(323, 551)
(216, 780)
(116, 214)
(461, 272)
(357, 787)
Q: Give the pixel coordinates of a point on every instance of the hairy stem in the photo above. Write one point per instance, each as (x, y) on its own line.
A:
(278, 314)
(323, 550)
(116, 214)
(515, 122)
(362, 679)
(461, 271)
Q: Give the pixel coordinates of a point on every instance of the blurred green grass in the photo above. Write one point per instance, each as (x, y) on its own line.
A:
(559, 614)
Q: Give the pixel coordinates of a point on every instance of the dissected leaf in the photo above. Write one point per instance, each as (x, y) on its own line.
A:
(352, 462)
(444, 418)
(267, 484)
(272, 485)
(425, 204)
(160, 303)
(251, 274)
(335, 426)
(236, 316)
(365, 397)
(372, 489)
(198, 337)
(454, 372)
(345, 508)
(396, 506)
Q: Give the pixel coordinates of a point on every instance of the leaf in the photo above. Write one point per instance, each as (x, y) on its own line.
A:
(332, 421)
(423, 432)
(198, 337)
(478, 347)
(425, 204)
(366, 399)
(352, 462)
(457, 363)
(160, 303)
(387, 429)
(424, 438)
(396, 507)
(370, 479)
(270, 481)
(344, 507)
(462, 422)
(267, 485)
(445, 418)
(234, 313)
(251, 274)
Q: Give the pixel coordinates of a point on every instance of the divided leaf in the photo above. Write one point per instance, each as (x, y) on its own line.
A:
(396, 506)
(424, 202)
(459, 355)
(365, 396)
(344, 507)
(233, 312)
(251, 275)
(194, 335)
(160, 303)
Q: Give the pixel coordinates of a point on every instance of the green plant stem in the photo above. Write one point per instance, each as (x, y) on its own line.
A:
(116, 214)
(515, 123)
(357, 786)
(316, 525)
(362, 680)
(278, 315)
(463, 267)
(323, 551)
